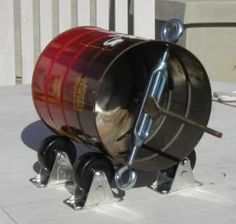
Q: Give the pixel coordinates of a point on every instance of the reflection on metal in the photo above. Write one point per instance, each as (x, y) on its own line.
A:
(183, 179)
(61, 173)
(99, 193)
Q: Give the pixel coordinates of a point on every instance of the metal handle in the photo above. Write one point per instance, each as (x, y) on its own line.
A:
(132, 178)
(172, 30)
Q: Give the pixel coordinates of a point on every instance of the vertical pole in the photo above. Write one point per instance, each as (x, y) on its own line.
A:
(144, 18)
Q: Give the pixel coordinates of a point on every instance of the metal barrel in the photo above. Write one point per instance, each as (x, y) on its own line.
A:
(88, 83)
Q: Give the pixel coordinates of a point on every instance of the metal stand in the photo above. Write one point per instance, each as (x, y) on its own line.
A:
(183, 179)
(61, 173)
(99, 193)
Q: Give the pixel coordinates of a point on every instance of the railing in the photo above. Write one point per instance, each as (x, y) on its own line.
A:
(26, 26)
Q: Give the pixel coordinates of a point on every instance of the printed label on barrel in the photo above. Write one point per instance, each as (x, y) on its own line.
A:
(79, 92)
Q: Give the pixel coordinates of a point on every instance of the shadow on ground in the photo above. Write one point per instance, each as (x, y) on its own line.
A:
(33, 134)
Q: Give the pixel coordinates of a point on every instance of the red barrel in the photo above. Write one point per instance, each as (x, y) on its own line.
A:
(88, 83)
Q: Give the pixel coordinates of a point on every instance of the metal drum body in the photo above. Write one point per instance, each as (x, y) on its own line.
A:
(88, 83)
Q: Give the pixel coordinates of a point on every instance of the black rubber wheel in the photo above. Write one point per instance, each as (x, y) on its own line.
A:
(192, 157)
(51, 146)
(87, 165)
(171, 171)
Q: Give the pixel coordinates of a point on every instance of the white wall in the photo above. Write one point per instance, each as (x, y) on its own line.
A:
(26, 26)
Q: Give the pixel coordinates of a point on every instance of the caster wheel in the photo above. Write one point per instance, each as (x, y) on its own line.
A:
(51, 146)
(87, 165)
(171, 171)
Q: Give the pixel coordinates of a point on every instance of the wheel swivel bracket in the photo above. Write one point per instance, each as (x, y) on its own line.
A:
(100, 192)
(61, 173)
(182, 179)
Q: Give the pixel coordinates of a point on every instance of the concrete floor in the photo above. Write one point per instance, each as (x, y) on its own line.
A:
(22, 203)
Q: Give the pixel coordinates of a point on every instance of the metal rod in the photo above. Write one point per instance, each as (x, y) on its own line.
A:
(183, 119)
